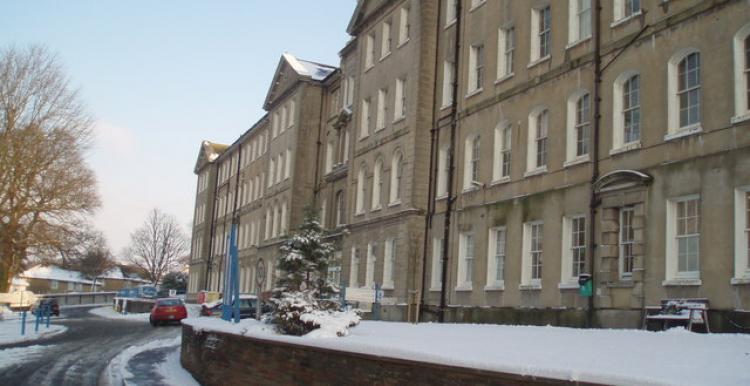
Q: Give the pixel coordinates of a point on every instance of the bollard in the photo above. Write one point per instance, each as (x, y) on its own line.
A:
(23, 323)
(48, 311)
(38, 317)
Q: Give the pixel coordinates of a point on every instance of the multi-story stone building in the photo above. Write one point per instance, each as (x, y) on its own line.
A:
(475, 157)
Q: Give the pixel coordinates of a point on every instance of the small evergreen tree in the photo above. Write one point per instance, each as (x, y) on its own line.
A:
(302, 289)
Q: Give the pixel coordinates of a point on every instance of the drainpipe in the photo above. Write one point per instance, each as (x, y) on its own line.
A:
(209, 264)
(451, 166)
(594, 203)
(431, 185)
(316, 183)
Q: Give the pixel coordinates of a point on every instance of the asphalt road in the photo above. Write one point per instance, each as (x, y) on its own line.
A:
(79, 355)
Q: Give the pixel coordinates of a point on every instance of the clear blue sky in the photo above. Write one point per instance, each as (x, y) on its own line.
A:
(161, 76)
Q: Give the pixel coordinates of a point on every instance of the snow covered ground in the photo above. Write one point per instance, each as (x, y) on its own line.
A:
(109, 313)
(12, 356)
(674, 357)
(172, 372)
(10, 329)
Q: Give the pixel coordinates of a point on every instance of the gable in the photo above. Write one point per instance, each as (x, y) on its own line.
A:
(291, 70)
(364, 9)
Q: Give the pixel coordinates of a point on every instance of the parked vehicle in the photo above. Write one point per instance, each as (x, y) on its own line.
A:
(248, 307)
(41, 303)
(167, 310)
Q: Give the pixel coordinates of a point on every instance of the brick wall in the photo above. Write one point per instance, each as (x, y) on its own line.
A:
(221, 359)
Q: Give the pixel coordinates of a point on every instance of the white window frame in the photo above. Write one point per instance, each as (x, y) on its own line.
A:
(397, 171)
(573, 124)
(450, 12)
(366, 118)
(619, 110)
(389, 264)
(532, 168)
(360, 195)
(54, 284)
(340, 196)
(329, 156)
(741, 236)
(472, 151)
(354, 268)
(623, 10)
(449, 73)
(399, 108)
(626, 241)
(494, 256)
(282, 125)
(568, 278)
(506, 46)
(370, 264)
(674, 127)
(476, 68)
(741, 76)
(369, 51)
(403, 26)
(288, 164)
(442, 175)
(537, 34)
(502, 155)
(527, 279)
(578, 16)
(382, 112)
(672, 274)
(385, 44)
(290, 118)
(377, 185)
(466, 243)
(436, 277)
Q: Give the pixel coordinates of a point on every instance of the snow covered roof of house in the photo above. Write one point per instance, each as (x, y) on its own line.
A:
(117, 274)
(51, 272)
(316, 71)
(20, 282)
(208, 153)
(301, 69)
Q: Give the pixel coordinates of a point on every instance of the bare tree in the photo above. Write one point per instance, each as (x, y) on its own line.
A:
(157, 246)
(96, 261)
(46, 188)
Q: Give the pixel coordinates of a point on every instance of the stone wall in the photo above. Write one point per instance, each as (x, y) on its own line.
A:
(215, 358)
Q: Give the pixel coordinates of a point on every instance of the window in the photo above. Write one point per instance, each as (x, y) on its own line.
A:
(369, 51)
(579, 20)
(503, 136)
(436, 272)
(334, 270)
(382, 109)
(340, 208)
(370, 267)
(365, 124)
(496, 259)
(377, 185)
(627, 240)
(271, 169)
(279, 167)
(474, 160)
(476, 3)
(466, 261)
(288, 164)
(282, 125)
(400, 109)
(283, 225)
(624, 9)
(290, 119)
(627, 111)
(541, 27)
(537, 144)
(348, 91)
(448, 79)
(276, 221)
(396, 171)
(275, 125)
(685, 88)
(476, 67)
(471, 161)
(389, 263)
(450, 12)
(741, 45)
(54, 284)
(579, 122)
(683, 239)
(360, 200)
(354, 268)
(506, 47)
(742, 236)
(329, 156)
(443, 170)
(531, 270)
(404, 27)
(269, 220)
(385, 48)
(578, 245)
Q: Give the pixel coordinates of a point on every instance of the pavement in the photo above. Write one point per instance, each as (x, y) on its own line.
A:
(80, 355)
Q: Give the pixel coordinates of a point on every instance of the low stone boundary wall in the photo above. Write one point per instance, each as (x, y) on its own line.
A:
(220, 359)
(81, 298)
(132, 305)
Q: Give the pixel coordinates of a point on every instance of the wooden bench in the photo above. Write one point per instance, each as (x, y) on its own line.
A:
(690, 312)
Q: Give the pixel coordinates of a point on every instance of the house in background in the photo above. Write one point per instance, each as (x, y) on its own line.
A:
(118, 278)
(52, 279)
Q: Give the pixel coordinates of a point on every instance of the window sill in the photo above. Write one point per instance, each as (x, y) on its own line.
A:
(576, 161)
(442, 196)
(739, 280)
(496, 286)
(682, 282)
(504, 78)
(740, 118)
(379, 129)
(394, 203)
(470, 189)
(577, 42)
(473, 92)
(369, 67)
(626, 148)
(684, 132)
(625, 19)
(376, 209)
(476, 6)
(530, 287)
(443, 107)
(464, 288)
(538, 61)
(359, 213)
(500, 181)
(450, 24)
(384, 57)
(362, 138)
(399, 119)
(536, 172)
(435, 289)
(401, 44)
(568, 286)
(387, 287)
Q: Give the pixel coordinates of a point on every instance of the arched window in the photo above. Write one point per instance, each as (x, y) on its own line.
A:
(626, 106)
(741, 45)
(396, 172)
(360, 196)
(377, 185)
(684, 87)
(579, 125)
(340, 207)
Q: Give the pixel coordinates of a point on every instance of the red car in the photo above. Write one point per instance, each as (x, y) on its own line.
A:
(167, 310)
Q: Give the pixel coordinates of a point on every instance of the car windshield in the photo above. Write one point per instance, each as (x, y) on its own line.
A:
(247, 303)
(170, 302)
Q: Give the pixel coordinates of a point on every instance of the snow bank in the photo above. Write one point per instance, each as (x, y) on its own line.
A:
(674, 357)
(109, 313)
(330, 324)
(13, 356)
(172, 371)
(116, 371)
(10, 330)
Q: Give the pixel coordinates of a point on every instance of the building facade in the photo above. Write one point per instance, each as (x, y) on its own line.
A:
(474, 158)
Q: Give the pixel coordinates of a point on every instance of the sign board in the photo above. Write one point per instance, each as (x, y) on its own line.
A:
(388, 301)
(260, 272)
(18, 298)
(362, 295)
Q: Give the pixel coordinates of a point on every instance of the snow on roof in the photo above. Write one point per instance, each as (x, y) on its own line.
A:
(19, 281)
(316, 71)
(117, 274)
(52, 272)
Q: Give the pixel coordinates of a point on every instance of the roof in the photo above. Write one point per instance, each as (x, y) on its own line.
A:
(208, 153)
(303, 69)
(52, 272)
(117, 274)
(315, 71)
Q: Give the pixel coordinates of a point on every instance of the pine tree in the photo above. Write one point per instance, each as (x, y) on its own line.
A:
(302, 288)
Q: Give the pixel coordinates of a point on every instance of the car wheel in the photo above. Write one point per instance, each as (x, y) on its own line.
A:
(153, 322)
